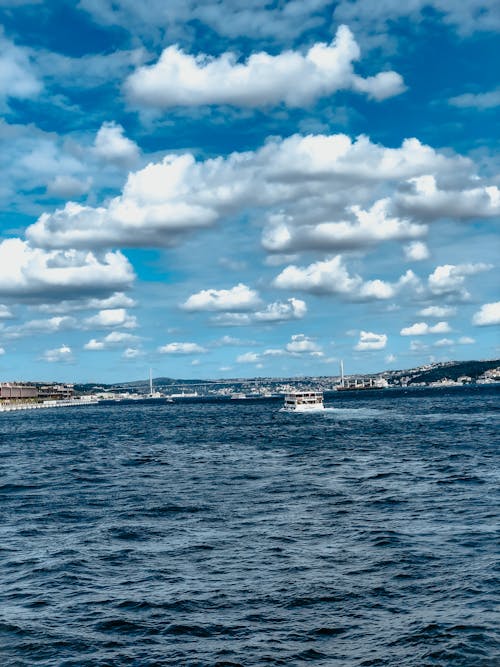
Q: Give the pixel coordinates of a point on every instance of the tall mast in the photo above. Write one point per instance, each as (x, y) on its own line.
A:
(342, 371)
(151, 381)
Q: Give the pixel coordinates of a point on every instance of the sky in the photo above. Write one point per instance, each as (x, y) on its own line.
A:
(220, 189)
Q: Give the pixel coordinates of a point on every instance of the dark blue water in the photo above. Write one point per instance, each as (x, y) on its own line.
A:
(231, 534)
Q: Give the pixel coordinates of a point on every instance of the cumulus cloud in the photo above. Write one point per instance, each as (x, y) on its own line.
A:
(364, 229)
(113, 339)
(331, 276)
(299, 345)
(427, 201)
(370, 341)
(238, 298)
(111, 145)
(297, 80)
(438, 311)
(37, 274)
(416, 251)
(278, 311)
(59, 354)
(302, 344)
(449, 279)
(488, 314)
(112, 317)
(423, 329)
(310, 179)
(181, 348)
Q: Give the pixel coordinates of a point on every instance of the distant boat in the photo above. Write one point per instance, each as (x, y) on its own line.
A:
(303, 401)
(238, 396)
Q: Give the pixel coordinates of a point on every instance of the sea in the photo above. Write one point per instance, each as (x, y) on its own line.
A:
(224, 533)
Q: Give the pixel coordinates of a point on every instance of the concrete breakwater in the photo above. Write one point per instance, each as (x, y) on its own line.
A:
(69, 403)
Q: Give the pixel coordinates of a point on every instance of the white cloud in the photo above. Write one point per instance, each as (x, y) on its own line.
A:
(390, 358)
(302, 344)
(331, 276)
(5, 313)
(423, 329)
(34, 273)
(416, 251)
(365, 228)
(67, 186)
(116, 300)
(231, 341)
(181, 348)
(113, 339)
(112, 317)
(297, 80)
(449, 279)
(438, 311)
(111, 145)
(237, 299)
(248, 358)
(426, 201)
(311, 180)
(48, 326)
(371, 341)
(132, 353)
(299, 345)
(444, 342)
(488, 100)
(418, 346)
(278, 311)
(63, 353)
(487, 315)
(465, 340)
(18, 78)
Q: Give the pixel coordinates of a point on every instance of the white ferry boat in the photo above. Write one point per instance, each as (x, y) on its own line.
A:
(303, 401)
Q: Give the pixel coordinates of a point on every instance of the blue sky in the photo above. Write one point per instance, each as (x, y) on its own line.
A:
(234, 189)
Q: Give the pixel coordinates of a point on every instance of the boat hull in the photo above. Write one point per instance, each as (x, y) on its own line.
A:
(304, 408)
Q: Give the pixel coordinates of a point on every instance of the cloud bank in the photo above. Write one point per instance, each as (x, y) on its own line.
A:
(316, 190)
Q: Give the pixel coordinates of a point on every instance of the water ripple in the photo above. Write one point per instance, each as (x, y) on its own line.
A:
(230, 534)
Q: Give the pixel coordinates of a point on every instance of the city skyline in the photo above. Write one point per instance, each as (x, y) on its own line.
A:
(223, 191)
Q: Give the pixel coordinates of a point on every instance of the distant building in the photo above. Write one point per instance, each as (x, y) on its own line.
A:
(14, 390)
(56, 391)
(11, 391)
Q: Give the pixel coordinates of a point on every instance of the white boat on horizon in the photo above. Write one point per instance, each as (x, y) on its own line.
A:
(303, 401)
